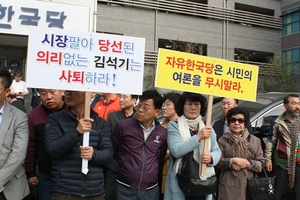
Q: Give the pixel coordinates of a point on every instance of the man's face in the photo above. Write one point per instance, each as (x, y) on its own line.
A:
(126, 101)
(18, 78)
(74, 98)
(51, 99)
(3, 93)
(93, 94)
(227, 104)
(145, 111)
(293, 107)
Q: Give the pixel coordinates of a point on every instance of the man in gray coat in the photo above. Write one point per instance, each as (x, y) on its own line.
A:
(13, 144)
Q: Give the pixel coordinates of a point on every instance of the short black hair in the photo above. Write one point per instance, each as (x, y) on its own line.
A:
(286, 98)
(153, 94)
(17, 73)
(12, 96)
(134, 96)
(174, 97)
(6, 77)
(236, 100)
(193, 97)
(238, 110)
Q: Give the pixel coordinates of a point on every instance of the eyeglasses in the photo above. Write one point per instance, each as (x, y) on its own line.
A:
(240, 120)
(144, 107)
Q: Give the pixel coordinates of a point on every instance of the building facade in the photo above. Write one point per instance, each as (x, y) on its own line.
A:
(290, 39)
(235, 30)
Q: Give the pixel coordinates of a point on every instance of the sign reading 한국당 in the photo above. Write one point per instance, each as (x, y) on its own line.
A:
(18, 16)
(206, 75)
(84, 61)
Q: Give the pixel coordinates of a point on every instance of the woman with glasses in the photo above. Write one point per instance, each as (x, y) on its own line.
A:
(187, 135)
(242, 156)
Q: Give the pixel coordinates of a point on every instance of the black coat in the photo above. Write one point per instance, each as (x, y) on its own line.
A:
(18, 105)
(62, 143)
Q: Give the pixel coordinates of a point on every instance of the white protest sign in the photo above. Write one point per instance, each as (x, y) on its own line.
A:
(83, 61)
(18, 16)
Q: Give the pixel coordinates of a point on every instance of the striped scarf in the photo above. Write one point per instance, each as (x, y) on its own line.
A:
(294, 130)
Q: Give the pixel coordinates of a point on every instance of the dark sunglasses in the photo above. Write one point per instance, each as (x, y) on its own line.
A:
(240, 120)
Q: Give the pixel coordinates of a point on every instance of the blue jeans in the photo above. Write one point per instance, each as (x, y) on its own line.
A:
(44, 187)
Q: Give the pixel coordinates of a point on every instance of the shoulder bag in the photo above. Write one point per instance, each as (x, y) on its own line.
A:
(260, 188)
(189, 180)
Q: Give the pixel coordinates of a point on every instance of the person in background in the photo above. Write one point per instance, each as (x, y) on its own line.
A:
(140, 144)
(187, 135)
(14, 140)
(35, 98)
(242, 156)
(18, 87)
(282, 153)
(221, 126)
(109, 103)
(38, 161)
(64, 142)
(95, 98)
(127, 102)
(12, 99)
(170, 109)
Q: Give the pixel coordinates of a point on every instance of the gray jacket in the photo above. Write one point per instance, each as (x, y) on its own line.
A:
(13, 144)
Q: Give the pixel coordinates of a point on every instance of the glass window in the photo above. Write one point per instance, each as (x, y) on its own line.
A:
(291, 21)
(291, 58)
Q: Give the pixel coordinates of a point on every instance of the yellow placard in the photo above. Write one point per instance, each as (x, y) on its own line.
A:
(206, 75)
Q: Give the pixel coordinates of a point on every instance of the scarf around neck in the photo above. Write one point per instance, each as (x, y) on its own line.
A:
(240, 147)
(184, 131)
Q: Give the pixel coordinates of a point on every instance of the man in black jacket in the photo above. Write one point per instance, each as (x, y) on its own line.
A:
(127, 102)
(64, 142)
(12, 99)
(221, 126)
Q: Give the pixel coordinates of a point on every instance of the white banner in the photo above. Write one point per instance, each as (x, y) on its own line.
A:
(83, 61)
(18, 16)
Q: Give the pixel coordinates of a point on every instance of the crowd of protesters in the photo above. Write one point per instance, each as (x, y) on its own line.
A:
(131, 154)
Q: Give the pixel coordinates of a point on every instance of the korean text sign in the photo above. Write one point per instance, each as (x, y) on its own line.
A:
(84, 61)
(18, 16)
(206, 75)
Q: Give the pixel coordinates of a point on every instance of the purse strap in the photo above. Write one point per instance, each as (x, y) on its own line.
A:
(265, 172)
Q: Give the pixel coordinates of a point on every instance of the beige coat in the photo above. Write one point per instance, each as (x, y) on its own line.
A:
(234, 187)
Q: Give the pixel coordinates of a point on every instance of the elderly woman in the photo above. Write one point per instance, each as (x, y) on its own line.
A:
(187, 135)
(169, 109)
(242, 156)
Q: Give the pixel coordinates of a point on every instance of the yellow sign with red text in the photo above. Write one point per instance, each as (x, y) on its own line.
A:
(206, 75)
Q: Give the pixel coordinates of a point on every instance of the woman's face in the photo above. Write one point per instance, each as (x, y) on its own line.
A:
(169, 109)
(191, 110)
(237, 124)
